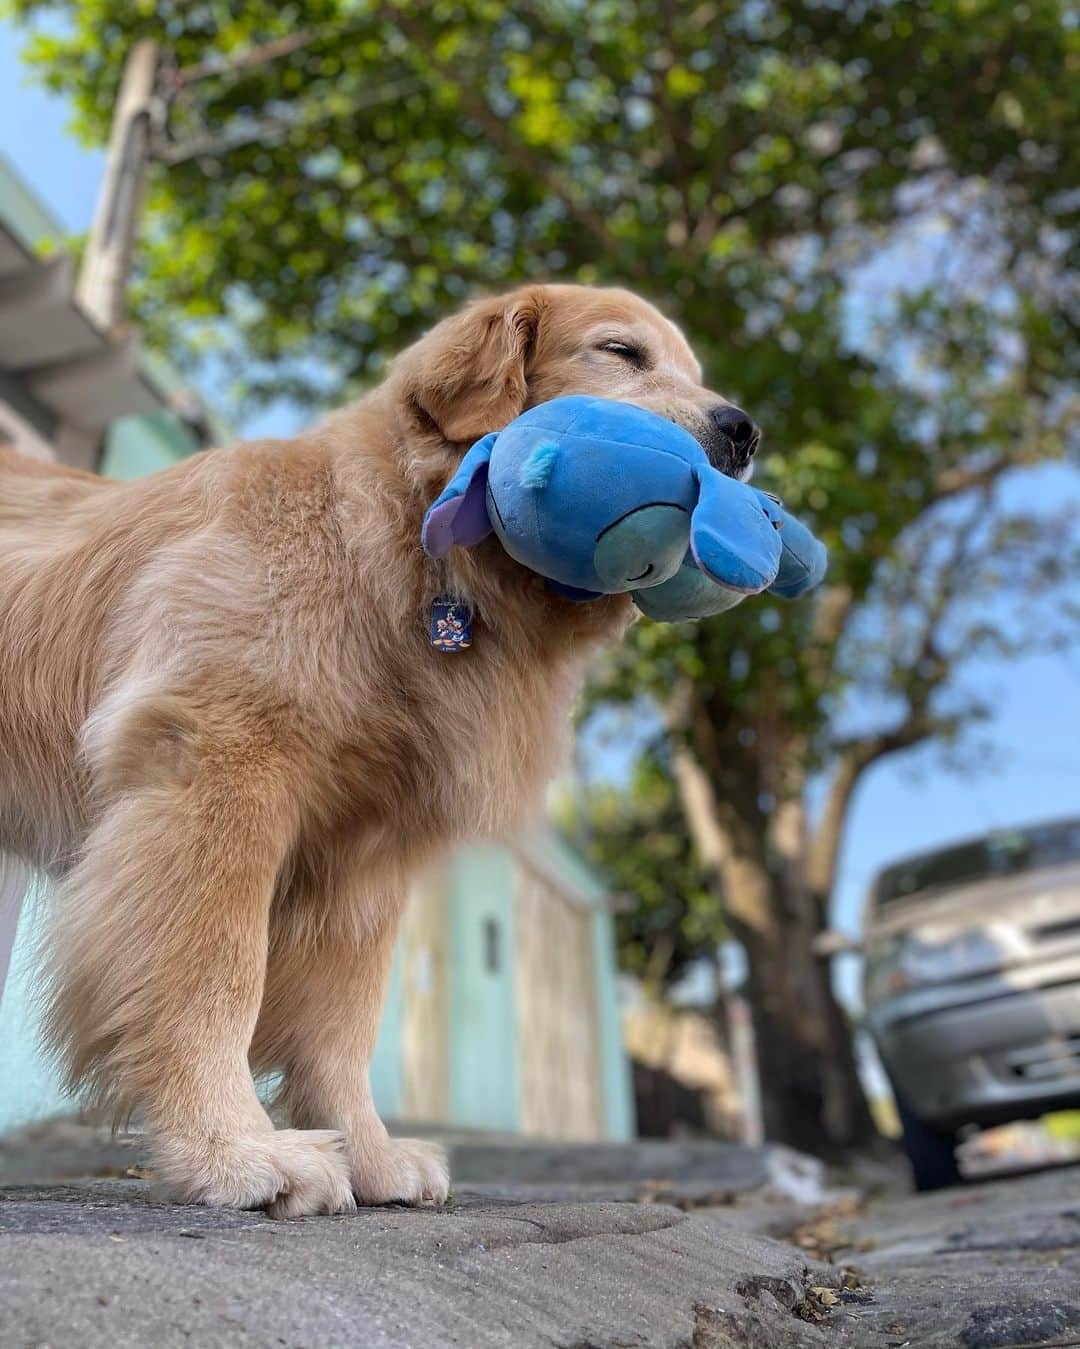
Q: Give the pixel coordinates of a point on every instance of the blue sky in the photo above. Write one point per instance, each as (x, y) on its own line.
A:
(902, 806)
(33, 137)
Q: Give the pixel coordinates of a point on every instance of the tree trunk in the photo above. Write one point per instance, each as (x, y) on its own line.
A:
(810, 1089)
(811, 1094)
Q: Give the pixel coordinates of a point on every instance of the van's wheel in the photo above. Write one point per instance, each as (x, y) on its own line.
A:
(932, 1152)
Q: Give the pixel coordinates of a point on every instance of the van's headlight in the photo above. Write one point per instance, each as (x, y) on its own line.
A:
(894, 964)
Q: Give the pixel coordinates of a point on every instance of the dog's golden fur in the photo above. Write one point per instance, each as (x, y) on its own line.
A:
(225, 736)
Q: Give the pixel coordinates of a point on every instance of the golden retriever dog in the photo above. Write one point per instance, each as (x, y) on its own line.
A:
(225, 736)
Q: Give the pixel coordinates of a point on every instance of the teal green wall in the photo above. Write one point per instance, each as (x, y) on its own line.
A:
(136, 446)
(482, 1029)
(484, 1087)
(28, 218)
(550, 853)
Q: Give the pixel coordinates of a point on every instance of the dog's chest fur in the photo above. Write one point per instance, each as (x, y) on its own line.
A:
(449, 746)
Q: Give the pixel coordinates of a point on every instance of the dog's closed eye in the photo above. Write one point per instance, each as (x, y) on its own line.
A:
(627, 351)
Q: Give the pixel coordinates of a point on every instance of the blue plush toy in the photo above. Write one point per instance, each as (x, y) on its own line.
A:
(602, 497)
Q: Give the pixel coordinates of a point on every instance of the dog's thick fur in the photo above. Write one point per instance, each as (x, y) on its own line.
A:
(224, 734)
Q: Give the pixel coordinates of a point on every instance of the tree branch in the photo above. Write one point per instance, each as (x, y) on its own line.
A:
(824, 849)
(743, 879)
(952, 481)
(924, 674)
(729, 849)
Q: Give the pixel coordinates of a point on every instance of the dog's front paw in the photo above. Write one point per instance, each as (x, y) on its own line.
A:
(290, 1172)
(400, 1171)
(317, 1174)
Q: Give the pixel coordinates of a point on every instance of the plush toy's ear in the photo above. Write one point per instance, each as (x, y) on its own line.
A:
(468, 373)
(459, 516)
(733, 534)
(802, 561)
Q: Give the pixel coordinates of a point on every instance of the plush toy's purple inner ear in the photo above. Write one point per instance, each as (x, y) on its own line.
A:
(460, 521)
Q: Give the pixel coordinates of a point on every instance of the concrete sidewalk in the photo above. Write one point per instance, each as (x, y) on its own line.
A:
(575, 1260)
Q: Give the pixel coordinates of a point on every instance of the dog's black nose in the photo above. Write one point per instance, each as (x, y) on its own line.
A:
(737, 426)
(736, 435)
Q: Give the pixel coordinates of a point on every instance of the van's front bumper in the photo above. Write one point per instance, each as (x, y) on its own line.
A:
(1008, 1054)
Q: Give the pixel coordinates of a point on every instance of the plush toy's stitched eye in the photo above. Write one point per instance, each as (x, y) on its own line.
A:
(625, 350)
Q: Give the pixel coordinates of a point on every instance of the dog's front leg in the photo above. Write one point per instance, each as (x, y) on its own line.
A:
(157, 969)
(325, 989)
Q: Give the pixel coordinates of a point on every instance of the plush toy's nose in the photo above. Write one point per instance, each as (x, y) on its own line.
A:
(642, 548)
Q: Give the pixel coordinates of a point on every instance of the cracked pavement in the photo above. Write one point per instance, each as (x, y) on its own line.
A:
(693, 1248)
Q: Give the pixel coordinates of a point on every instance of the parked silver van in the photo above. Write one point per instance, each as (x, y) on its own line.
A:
(972, 986)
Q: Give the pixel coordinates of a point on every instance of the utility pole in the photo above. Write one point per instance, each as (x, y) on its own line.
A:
(149, 85)
(102, 285)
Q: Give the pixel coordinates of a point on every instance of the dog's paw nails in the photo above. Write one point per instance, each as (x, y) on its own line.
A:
(402, 1171)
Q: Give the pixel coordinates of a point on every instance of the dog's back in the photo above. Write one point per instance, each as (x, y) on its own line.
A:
(33, 494)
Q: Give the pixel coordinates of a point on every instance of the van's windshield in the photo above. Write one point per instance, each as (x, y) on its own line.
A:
(1002, 853)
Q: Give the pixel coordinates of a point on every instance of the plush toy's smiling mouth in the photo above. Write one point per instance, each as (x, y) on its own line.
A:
(648, 543)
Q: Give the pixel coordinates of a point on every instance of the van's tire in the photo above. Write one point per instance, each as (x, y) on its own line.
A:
(931, 1151)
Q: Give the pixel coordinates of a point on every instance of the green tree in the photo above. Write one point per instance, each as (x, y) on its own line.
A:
(862, 212)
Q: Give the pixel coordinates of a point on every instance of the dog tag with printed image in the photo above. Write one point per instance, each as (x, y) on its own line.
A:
(451, 625)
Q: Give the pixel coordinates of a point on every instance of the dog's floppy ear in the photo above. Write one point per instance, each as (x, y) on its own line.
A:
(469, 372)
